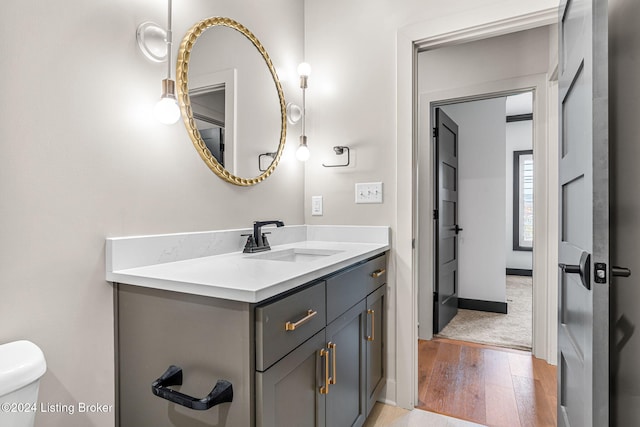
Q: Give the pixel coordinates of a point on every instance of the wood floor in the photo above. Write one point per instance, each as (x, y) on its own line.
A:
(486, 385)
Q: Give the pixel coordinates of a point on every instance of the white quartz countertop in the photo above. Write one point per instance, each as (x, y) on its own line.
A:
(236, 275)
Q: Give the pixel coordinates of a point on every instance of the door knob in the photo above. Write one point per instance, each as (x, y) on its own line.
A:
(457, 229)
(583, 269)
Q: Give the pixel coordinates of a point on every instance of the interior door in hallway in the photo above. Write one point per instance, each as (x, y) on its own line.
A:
(583, 330)
(446, 221)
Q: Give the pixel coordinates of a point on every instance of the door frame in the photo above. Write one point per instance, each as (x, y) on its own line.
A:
(544, 196)
(459, 28)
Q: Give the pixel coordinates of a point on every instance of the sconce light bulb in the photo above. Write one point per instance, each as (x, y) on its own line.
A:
(302, 153)
(304, 69)
(166, 111)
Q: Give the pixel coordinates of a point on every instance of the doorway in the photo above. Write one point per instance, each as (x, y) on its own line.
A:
(488, 68)
(483, 219)
(413, 242)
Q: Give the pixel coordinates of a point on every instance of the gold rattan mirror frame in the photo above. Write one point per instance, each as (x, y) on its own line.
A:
(182, 80)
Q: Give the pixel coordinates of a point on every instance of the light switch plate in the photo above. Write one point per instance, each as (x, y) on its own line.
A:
(316, 205)
(369, 192)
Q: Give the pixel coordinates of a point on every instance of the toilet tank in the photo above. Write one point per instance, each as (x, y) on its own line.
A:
(22, 364)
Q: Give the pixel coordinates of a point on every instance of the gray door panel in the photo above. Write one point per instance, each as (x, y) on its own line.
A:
(446, 280)
(346, 398)
(375, 339)
(288, 392)
(583, 317)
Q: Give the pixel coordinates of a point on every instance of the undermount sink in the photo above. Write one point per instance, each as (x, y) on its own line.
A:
(296, 255)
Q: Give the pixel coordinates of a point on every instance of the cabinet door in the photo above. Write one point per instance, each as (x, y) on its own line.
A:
(375, 337)
(288, 393)
(346, 403)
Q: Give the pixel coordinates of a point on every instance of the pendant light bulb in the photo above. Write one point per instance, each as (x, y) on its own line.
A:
(166, 110)
(302, 153)
(304, 69)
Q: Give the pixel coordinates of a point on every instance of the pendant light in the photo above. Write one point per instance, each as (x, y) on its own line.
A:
(166, 109)
(155, 43)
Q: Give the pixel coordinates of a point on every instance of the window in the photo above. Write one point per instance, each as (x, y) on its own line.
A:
(523, 200)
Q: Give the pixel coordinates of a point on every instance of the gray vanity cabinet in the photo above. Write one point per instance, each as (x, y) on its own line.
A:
(335, 377)
(313, 357)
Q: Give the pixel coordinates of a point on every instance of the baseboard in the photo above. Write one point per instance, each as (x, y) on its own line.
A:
(388, 395)
(519, 272)
(479, 305)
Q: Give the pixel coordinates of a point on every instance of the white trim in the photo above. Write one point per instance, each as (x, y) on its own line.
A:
(491, 29)
(454, 29)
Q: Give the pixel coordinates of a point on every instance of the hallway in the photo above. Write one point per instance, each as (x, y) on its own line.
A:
(486, 385)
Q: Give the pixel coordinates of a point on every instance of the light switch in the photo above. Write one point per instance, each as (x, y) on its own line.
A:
(369, 192)
(316, 205)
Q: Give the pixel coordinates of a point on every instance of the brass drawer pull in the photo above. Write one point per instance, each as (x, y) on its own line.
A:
(378, 273)
(334, 376)
(372, 337)
(292, 326)
(325, 388)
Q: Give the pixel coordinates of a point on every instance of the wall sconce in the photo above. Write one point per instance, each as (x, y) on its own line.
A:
(294, 113)
(260, 156)
(339, 150)
(302, 153)
(155, 44)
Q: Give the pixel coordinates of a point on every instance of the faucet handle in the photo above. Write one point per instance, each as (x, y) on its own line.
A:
(250, 244)
(265, 242)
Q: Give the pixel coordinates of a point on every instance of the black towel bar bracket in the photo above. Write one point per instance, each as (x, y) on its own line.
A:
(221, 393)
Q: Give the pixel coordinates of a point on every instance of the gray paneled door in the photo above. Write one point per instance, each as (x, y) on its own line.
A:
(583, 330)
(446, 221)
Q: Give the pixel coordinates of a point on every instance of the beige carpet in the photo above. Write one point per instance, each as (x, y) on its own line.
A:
(512, 330)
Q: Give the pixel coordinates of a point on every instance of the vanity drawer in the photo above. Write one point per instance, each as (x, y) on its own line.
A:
(376, 271)
(347, 288)
(286, 323)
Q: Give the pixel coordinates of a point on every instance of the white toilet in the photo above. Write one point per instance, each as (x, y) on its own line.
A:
(22, 365)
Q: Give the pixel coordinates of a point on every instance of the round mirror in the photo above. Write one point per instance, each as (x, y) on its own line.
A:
(231, 100)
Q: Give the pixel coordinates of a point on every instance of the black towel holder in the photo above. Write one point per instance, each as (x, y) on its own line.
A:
(221, 393)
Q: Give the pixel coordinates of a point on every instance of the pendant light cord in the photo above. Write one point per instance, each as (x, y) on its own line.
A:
(169, 40)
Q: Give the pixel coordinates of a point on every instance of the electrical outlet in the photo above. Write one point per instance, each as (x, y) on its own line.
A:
(316, 205)
(369, 192)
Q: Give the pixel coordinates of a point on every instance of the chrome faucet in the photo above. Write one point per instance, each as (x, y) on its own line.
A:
(257, 242)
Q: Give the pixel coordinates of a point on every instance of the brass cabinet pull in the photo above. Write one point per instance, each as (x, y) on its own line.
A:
(325, 389)
(334, 376)
(292, 326)
(373, 327)
(378, 273)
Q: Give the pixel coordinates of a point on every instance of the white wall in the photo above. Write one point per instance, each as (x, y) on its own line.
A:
(519, 137)
(80, 161)
(481, 198)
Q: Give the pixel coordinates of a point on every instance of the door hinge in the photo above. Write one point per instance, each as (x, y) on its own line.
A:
(413, 243)
(435, 214)
(435, 132)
